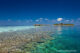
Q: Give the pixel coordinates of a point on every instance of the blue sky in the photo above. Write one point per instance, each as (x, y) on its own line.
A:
(28, 12)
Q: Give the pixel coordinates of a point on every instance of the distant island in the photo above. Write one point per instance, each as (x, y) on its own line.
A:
(61, 24)
(41, 25)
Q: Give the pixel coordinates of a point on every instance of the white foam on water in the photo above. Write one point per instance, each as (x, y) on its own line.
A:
(14, 28)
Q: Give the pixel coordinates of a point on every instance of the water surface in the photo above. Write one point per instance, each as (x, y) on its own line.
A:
(47, 39)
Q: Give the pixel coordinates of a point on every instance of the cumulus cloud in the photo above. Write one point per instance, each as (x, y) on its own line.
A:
(59, 19)
(37, 20)
(67, 20)
(46, 19)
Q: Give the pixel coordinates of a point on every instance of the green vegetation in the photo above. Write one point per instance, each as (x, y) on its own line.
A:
(61, 24)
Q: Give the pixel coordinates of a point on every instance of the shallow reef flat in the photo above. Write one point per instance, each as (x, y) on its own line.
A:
(24, 41)
(43, 39)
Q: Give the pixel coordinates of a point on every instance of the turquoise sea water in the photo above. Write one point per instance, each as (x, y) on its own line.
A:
(66, 39)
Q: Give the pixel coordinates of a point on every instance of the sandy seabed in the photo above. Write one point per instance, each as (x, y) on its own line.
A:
(24, 41)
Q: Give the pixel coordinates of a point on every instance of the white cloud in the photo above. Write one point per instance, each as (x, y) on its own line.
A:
(59, 19)
(67, 20)
(37, 20)
(46, 19)
(40, 18)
